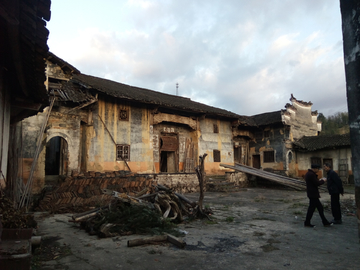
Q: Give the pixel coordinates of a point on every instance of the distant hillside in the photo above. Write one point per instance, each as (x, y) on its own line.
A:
(334, 124)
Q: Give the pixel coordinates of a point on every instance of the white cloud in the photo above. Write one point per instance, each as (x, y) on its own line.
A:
(243, 56)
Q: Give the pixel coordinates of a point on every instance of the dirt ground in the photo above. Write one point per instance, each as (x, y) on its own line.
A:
(254, 228)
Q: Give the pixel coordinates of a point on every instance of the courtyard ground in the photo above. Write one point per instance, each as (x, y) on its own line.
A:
(254, 228)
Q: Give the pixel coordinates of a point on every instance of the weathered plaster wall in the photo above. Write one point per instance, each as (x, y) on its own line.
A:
(31, 132)
(301, 121)
(304, 159)
(59, 124)
(68, 127)
(275, 142)
(54, 71)
(134, 132)
(222, 141)
(183, 133)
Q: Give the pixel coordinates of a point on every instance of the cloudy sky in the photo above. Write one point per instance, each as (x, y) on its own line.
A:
(240, 55)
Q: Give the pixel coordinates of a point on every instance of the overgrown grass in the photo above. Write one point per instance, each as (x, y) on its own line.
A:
(229, 219)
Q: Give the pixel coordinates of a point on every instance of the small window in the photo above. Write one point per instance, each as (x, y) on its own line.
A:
(216, 128)
(269, 156)
(258, 135)
(217, 156)
(315, 160)
(267, 133)
(122, 152)
(124, 115)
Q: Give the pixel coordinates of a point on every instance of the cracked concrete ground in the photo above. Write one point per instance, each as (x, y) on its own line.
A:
(251, 229)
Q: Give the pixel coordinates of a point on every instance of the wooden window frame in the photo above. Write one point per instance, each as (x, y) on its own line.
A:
(269, 156)
(217, 155)
(124, 115)
(122, 152)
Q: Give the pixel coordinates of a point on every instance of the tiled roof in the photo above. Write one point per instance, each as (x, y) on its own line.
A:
(267, 118)
(142, 95)
(313, 143)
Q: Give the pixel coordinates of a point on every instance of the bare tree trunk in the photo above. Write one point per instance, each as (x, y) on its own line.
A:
(200, 172)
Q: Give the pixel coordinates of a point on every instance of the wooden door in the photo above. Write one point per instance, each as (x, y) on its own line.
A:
(256, 161)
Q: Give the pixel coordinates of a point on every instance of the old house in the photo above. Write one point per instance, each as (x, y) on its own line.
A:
(101, 125)
(267, 138)
(23, 38)
(333, 149)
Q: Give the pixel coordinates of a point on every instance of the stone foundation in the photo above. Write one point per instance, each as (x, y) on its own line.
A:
(179, 182)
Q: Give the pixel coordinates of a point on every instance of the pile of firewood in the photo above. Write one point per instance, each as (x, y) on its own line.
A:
(155, 213)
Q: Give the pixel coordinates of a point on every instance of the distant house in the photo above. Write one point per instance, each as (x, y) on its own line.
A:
(333, 149)
(267, 138)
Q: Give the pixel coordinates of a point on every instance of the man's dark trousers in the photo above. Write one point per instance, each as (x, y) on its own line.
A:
(335, 206)
(315, 203)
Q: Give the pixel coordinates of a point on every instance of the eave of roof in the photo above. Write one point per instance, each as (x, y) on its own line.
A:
(312, 143)
(142, 95)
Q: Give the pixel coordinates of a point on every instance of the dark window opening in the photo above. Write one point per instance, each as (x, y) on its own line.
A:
(315, 160)
(258, 135)
(216, 128)
(267, 133)
(269, 156)
(124, 115)
(256, 161)
(217, 157)
(237, 154)
(122, 152)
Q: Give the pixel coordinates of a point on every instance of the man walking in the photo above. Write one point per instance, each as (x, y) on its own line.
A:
(335, 188)
(312, 190)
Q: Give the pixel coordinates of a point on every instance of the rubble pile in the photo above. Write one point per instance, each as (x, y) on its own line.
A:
(81, 191)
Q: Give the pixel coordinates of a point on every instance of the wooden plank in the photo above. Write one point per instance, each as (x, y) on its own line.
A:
(287, 181)
(266, 175)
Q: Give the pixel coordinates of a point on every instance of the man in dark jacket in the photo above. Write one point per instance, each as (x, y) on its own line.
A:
(335, 188)
(312, 190)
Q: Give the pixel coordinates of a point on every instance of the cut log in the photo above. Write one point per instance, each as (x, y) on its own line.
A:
(182, 197)
(176, 241)
(87, 214)
(148, 240)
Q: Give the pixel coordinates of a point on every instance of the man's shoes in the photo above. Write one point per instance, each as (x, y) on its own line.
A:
(309, 225)
(337, 221)
(328, 224)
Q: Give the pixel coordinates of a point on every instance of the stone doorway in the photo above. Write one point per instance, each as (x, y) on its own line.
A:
(56, 158)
